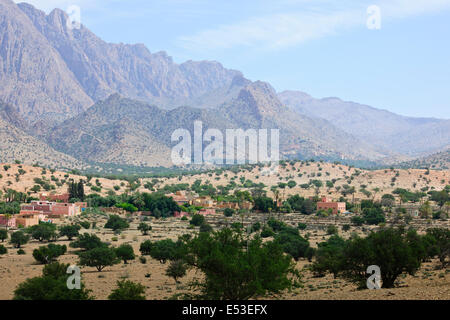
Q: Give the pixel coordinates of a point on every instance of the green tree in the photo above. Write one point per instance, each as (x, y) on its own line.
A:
(99, 258)
(146, 247)
(87, 241)
(293, 243)
(264, 204)
(228, 212)
(233, 272)
(389, 249)
(329, 256)
(197, 220)
(128, 290)
(440, 244)
(19, 238)
(125, 252)
(48, 254)
(52, 285)
(43, 232)
(177, 269)
(3, 234)
(69, 231)
(164, 250)
(116, 223)
(144, 228)
(3, 250)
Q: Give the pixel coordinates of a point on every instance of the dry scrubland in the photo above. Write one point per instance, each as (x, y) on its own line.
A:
(428, 283)
(413, 179)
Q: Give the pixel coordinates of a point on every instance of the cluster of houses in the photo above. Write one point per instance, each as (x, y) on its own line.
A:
(209, 205)
(48, 208)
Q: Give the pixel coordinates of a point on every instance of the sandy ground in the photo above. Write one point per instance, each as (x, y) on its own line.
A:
(429, 283)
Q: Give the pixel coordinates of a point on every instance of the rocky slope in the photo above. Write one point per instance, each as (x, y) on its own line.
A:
(381, 128)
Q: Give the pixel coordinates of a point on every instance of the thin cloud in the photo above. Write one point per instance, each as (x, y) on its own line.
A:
(283, 30)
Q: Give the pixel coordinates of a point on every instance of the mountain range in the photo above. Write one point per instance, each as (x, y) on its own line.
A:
(70, 99)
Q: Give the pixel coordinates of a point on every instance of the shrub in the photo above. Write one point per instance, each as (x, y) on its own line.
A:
(267, 232)
(302, 226)
(3, 249)
(205, 228)
(357, 221)
(128, 290)
(332, 230)
(20, 252)
(142, 259)
(85, 224)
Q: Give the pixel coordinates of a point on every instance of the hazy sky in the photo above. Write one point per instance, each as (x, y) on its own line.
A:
(321, 47)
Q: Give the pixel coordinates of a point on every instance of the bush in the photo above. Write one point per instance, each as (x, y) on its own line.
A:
(267, 232)
(205, 228)
(302, 226)
(48, 254)
(3, 249)
(332, 230)
(346, 227)
(20, 252)
(357, 221)
(85, 224)
(256, 227)
(128, 290)
(142, 259)
(127, 207)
